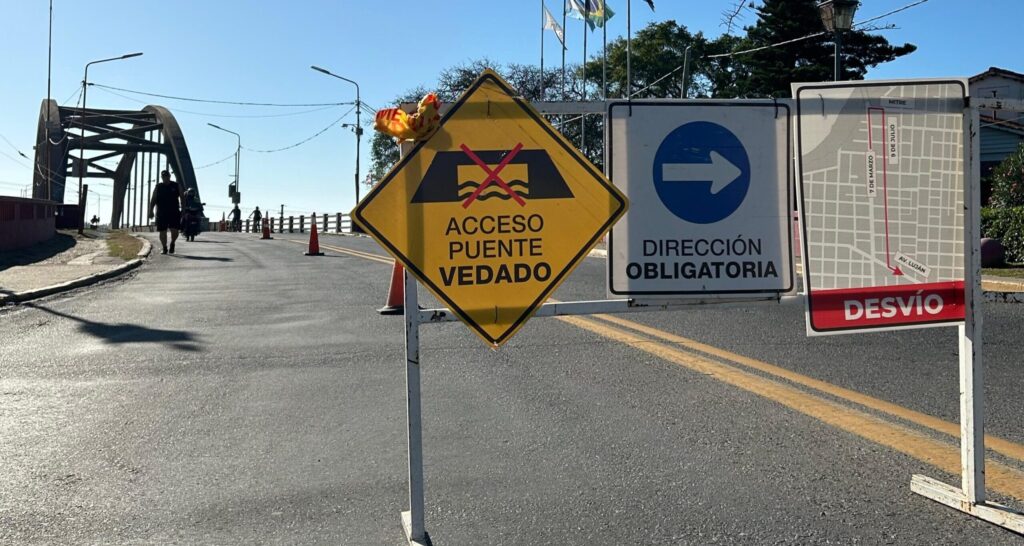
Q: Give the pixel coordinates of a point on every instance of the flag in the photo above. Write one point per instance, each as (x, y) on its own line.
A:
(553, 26)
(595, 14)
(575, 9)
(650, 3)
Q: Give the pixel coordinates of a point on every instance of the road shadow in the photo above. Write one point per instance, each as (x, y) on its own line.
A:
(202, 258)
(129, 333)
(209, 242)
(37, 252)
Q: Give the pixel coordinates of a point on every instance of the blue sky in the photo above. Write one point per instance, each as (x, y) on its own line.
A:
(261, 50)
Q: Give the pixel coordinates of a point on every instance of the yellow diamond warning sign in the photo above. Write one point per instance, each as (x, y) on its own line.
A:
(493, 211)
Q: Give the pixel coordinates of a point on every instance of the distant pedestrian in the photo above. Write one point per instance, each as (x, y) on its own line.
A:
(257, 217)
(166, 200)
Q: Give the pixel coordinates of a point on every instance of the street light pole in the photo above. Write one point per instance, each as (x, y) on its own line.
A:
(837, 16)
(81, 123)
(238, 152)
(359, 127)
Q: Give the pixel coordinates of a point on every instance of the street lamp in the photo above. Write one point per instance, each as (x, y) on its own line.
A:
(359, 128)
(837, 16)
(81, 123)
(238, 153)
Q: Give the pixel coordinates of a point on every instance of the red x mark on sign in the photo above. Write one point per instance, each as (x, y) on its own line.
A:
(492, 176)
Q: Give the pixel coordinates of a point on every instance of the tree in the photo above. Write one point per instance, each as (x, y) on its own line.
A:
(656, 51)
(1008, 181)
(716, 69)
(772, 70)
(451, 83)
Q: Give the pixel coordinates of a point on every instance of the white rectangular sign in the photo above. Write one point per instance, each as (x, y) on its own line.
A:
(881, 171)
(710, 201)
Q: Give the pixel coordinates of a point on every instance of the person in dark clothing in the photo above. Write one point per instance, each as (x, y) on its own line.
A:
(236, 219)
(256, 216)
(166, 202)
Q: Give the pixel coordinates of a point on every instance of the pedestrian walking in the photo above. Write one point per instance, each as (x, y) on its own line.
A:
(236, 218)
(166, 203)
(257, 217)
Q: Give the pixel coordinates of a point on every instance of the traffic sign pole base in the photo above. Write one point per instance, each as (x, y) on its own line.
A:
(407, 526)
(954, 498)
(394, 310)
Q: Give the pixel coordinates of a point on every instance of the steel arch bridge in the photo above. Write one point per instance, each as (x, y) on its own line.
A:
(129, 147)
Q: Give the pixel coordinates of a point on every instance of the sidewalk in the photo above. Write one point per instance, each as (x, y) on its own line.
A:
(66, 261)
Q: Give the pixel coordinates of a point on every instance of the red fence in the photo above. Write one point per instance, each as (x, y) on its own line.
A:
(24, 222)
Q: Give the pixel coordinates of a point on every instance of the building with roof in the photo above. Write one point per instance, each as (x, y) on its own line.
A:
(1002, 132)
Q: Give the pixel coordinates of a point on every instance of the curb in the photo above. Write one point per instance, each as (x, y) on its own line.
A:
(27, 295)
(1003, 297)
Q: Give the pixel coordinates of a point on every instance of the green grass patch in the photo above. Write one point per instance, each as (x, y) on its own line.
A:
(1011, 270)
(123, 245)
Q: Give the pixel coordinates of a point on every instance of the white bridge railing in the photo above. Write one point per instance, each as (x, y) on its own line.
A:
(336, 222)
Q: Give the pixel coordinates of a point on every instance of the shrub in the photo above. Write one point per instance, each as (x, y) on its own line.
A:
(1008, 181)
(1007, 225)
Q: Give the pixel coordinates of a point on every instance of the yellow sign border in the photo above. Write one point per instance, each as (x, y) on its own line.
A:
(489, 75)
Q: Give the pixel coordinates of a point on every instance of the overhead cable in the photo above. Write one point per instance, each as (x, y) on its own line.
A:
(816, 34)
(213, 101)
(305, 140)
(218, 162)
(207, 114)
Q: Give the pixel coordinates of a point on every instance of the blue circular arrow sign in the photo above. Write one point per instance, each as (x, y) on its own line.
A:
(701, 172)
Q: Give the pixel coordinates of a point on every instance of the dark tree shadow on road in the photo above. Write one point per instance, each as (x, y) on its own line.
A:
(202, 258)
(129, 333)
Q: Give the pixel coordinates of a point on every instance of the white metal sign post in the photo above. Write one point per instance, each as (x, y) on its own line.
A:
(890, 214)
(970, 496)
(710, 193)
(412, 521)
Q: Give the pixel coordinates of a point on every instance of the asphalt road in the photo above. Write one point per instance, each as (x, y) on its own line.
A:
(238, 392)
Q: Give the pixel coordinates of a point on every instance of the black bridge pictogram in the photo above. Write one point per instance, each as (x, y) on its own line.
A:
(441, 182)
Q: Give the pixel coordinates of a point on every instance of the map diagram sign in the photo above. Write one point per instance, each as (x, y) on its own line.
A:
(881, 171)
(492, 211)
(709, 183)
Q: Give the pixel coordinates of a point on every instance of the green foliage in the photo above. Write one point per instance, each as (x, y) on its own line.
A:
(658, 53)
(1008, 181)
(1007, 225)
(452, 81)
(660, 49)
(772, 70)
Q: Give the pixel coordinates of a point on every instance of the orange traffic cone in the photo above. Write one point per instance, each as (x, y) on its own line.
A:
(396, 294)
(314, 240)
(266, 229)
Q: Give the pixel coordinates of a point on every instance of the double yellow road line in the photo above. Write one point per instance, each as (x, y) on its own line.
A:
(870, 418)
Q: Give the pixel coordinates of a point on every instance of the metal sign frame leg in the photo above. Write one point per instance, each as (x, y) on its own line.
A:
(412, 520)
(970, 497)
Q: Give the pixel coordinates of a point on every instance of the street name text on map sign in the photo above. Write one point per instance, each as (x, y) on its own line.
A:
(492, 211)
(710, 193)
(881, 178)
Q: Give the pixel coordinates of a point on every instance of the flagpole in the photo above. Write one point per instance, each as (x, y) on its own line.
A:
(565, 11)
(604, 51)
(583, 117)
(629, 51)
(542, 23)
